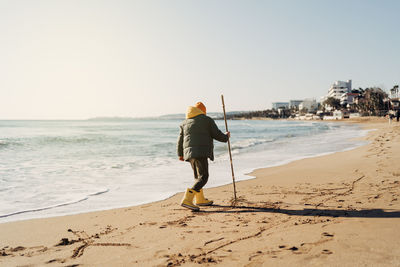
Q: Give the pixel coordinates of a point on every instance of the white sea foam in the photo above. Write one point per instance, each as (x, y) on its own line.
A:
(53, 206)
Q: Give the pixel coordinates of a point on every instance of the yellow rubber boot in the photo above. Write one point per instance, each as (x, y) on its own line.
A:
(187, 200)
(201, 200)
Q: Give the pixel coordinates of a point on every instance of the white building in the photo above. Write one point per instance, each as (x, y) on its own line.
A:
(337, 115)
(348, 98)
(394, 92)
(339, 88)
(309, 104)
(277, 105)
(294, 103)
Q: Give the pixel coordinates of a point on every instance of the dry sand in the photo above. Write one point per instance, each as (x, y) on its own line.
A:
(336, 210)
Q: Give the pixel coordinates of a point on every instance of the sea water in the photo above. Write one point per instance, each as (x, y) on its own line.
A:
(52, 168)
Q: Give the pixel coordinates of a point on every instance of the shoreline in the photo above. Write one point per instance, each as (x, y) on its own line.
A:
(244, 172)
(308, 211)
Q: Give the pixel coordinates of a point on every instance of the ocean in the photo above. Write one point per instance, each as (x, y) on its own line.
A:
(53, 168)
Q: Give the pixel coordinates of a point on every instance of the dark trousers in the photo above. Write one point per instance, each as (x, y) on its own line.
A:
(200, 171)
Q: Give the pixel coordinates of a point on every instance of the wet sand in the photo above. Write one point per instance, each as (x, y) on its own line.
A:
(341, 209)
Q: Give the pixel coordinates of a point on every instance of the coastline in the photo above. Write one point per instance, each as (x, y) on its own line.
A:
(268, 152)
(343, 203)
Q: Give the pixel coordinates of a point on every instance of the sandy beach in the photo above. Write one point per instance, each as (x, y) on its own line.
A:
(341, 209)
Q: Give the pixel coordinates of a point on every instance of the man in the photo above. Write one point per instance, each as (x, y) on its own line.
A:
(195, 145)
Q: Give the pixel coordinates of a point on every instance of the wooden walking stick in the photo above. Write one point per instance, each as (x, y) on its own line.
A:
(230, 154)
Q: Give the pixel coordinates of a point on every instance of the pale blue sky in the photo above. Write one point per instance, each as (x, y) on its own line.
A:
(81, 59)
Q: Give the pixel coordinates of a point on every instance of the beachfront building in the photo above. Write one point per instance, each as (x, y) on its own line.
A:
(278, 105)
(348, 98)
(395, 97)
(295, 103)
(394, 92)
(323, 99)
(309, 104)
(339, 88)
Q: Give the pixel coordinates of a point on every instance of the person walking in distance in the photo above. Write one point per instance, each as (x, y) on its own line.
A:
(195, 145)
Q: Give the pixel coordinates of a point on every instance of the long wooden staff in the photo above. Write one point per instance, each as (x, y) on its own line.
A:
(229, 148)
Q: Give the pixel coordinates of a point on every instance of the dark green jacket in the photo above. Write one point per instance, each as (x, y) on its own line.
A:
(196, 138)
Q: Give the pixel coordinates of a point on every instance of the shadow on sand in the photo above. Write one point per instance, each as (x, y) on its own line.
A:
(363, 213)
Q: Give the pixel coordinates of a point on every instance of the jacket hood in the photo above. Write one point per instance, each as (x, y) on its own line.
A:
(193, 112)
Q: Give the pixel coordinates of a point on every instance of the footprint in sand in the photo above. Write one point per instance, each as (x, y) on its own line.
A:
(3, 253)
(327, 251)
(16, 249)
(327, 234)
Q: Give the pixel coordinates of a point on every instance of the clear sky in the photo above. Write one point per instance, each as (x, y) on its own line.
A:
(81, 59)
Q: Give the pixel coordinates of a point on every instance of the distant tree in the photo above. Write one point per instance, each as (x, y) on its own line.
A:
(303, 111)
(332, 102)
(358, 91)
(372, 101)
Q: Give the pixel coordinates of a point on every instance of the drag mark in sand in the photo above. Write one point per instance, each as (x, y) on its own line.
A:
(82, 237)
(179, 259)
(22, 251)
(203, 256)
(330, 193)
(306, 247)
(214, 240)
(235, 241)
(90, 241)
(349, 191)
